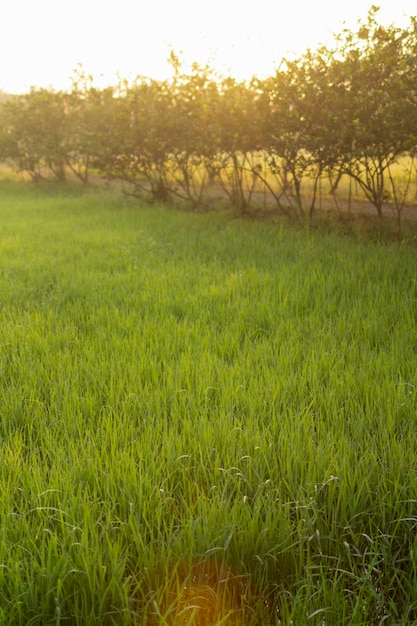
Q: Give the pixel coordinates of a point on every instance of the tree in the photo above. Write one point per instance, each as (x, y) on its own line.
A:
(192, 132)
(135, 138)
(83, 112)
(284, 133)
(375, 105)
(235, 130)
(33, 133)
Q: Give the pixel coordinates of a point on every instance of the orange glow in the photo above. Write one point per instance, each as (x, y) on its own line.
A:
(205, 593)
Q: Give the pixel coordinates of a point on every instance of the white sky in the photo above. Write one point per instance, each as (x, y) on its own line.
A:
(42, 41)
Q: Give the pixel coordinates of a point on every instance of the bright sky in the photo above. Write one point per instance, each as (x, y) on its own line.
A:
(42, 41)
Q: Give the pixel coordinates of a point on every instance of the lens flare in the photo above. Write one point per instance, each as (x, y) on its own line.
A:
(206, 593)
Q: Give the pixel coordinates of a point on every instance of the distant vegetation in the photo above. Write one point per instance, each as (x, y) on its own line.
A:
(338, 123)
(203, 420)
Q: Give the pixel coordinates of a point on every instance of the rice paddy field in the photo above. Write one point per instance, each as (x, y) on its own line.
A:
(203, 420)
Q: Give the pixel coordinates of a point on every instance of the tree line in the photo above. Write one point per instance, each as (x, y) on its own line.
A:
(342, 112)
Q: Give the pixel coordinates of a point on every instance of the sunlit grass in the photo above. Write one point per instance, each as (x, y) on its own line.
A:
(203, 420)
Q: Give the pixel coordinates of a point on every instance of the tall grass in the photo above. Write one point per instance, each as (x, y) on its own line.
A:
(203, 420)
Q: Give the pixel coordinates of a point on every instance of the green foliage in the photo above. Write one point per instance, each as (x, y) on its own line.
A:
(342, 112)
(379, 94)
(33, 133)
(44, 133)
(198, 411)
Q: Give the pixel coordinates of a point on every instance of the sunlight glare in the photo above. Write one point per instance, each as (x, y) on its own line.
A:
(43, 42)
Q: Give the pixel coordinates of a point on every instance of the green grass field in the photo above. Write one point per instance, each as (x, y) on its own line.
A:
(204, 420)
